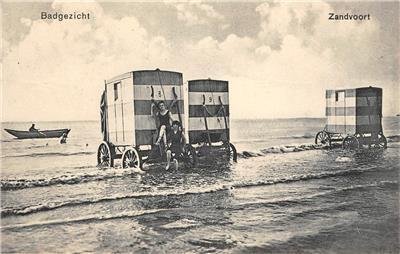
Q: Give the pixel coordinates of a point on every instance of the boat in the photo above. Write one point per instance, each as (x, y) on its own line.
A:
(38, 134)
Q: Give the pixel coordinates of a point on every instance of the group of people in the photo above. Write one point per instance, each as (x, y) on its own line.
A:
(170, 132)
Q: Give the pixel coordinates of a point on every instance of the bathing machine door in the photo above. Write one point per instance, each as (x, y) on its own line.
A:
(120, 110)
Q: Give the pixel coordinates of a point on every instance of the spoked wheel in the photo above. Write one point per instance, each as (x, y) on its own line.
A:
(322, 138)
(104, 157)
(131, 159)
(382, 142)
(232, 153)
(190, 156)
(351, 142)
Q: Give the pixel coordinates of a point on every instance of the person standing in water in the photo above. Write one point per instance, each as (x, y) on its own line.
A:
(63, 139)
(165, 119)
(176, 142)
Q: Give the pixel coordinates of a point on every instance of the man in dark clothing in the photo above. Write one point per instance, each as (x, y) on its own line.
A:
(33, 128)
(176, 142)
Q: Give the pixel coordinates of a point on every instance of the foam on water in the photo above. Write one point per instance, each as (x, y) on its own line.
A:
(165, 192)
(90, 218)
(181, 224)
(91, 175)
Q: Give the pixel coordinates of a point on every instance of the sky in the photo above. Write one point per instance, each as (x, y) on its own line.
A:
(279, 57)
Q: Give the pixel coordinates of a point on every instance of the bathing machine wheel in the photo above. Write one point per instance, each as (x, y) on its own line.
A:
(323, 138)
(189, 156)
(382, 142)
(351, 143)
(104, 155)
(131, 159)
(232, 153)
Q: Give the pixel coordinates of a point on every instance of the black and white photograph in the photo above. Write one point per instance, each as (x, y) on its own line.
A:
(200, 126)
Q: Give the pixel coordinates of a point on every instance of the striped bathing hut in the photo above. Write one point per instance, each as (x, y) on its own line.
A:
(208, 111)
(128, 97)
(353, 111)
(354, 118)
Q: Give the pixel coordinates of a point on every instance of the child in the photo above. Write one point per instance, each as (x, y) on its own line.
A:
(176, 142)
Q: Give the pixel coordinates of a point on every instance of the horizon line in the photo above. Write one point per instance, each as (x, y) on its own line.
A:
(95, 120)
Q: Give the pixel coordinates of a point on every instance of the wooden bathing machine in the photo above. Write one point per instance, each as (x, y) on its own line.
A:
(126, 109)
(354, 117)
(207, 100)
(208, 120)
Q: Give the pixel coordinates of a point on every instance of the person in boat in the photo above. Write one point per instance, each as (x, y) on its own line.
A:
(165, 120)
(176, 143)
(33, 129)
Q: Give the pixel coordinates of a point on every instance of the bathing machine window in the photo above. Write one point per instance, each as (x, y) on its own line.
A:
(116, 91)
(339, 96)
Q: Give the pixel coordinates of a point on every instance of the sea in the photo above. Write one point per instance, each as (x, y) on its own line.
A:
(284, 195)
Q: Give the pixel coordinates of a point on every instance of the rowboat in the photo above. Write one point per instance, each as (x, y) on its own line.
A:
(38, 134)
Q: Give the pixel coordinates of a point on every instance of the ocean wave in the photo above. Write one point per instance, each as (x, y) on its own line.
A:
(96, 175)
(181, 224)
(304, 136)
(90, 218)
(215, 241)
(393, 138)
(173, 192)
(8, 140)
(331, 191)
(56, 205)
(280, 149)
(261, 140)
(343, 159)
(300, 178)
(47, 154)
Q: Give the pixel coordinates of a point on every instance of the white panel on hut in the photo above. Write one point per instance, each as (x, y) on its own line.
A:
(111, 113)
(209, 92)
(127, 108)
(120, 103)
(340, 111)
(163, 84)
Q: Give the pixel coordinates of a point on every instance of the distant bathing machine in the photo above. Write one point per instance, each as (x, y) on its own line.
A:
(354, 118)
(129, 129)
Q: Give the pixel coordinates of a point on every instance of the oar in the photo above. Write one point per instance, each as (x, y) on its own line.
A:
(41, 133)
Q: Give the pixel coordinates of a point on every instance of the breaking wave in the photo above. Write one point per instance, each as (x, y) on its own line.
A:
(90, 218)
(285, 201)
(393, 138)
(50, 154)
(280, 149)
(96, 175)
(197, 190)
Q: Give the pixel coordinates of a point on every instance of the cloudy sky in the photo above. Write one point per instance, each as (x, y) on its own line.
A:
(279, 57)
